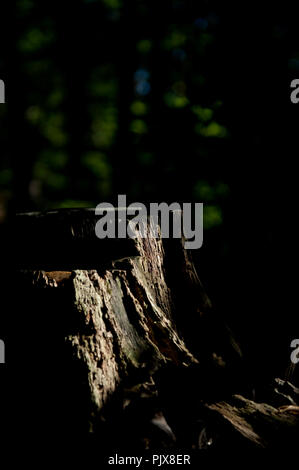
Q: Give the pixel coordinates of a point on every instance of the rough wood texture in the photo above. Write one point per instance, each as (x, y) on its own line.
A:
(254, 424)
(99, 342)
(112, 326)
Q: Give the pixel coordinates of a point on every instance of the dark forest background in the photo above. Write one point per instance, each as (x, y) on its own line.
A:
(167, 101)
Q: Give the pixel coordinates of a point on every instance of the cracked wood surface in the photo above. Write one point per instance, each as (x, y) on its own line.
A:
(94, 337)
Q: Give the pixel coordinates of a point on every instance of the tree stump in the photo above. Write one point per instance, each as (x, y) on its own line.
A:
(114, 336)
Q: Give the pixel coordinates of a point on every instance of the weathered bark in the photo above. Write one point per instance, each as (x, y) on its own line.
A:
(249, 424)
(98, 341)
(111, 326)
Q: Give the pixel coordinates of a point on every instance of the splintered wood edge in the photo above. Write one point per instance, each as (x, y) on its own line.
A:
(293, 409)
(58, 276)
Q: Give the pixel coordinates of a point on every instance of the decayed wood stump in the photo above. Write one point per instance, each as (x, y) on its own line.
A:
(93, 332)
(134, 322)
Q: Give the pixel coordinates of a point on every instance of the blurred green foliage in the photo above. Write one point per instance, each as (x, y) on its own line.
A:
(110, 93)
(134, 97)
